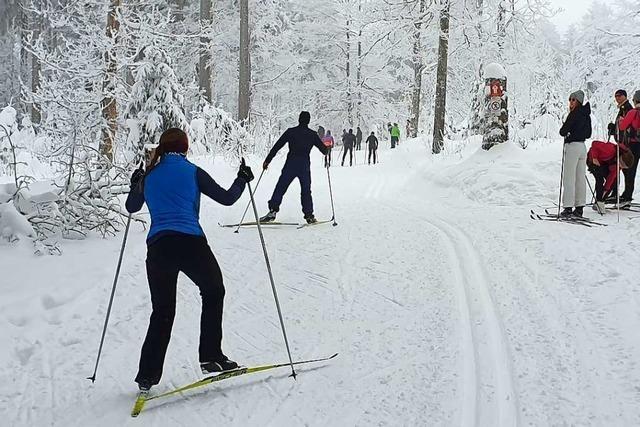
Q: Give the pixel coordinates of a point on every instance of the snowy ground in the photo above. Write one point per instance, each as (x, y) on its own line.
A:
(447, 304)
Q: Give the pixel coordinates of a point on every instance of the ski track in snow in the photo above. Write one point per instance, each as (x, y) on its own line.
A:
(444, 312)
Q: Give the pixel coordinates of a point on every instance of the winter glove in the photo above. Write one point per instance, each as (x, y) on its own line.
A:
(265, 165)
(137, 176)
(612, 129)
(244, 172)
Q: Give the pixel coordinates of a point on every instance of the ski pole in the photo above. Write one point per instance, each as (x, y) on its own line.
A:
(593, 194)
(564, 151)
(273, 286)
(113, 291)
(333, 211)
(249, 203)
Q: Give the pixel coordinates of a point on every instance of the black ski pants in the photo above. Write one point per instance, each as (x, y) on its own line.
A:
(630, 173)
(348, 149)
(166, 257)
(600, 174)
(372, 151)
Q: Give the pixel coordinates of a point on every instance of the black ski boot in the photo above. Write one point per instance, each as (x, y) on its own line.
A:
(144, 386)
(578, 211)
(222, 364)
(566, 213)
(270, 217)
(310, 219)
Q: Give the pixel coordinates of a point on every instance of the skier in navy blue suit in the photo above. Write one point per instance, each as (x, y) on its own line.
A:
(301, 141)
(171, 187)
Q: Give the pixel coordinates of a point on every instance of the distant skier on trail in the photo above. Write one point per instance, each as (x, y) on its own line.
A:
(328, 142)
(630, 126)
(358, 138)
(395, 135)
(171, 188)
(575, 130)
(349, 141)
(603, 165)
(301, 141)
(372, 143)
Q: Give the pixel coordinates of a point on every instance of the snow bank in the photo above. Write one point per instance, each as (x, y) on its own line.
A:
(506, 175)
(13, 224)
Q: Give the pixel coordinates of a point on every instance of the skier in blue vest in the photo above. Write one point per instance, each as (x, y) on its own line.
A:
(301, 141)
(171, 188)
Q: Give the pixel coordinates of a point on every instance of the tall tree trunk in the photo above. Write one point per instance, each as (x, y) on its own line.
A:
(25, 68)
(109, 108)
(501, 30)
(348, 70)
(476, 122)
(359, 69)
(35, 65)
(418, 67)
(245, 64)
(204, 70)
(441, 84)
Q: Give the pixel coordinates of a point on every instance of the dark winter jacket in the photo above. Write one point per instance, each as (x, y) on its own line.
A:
(577, 126)
(172, 192)
(622, 113)
(359, 135)
(372, 142)
(301, 140)
(630, 124)
(349, 140)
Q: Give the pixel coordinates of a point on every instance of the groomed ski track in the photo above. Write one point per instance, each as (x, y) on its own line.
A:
(445, 311)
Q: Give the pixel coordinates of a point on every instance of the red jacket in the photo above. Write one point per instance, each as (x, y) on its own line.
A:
(605, 153)
(632, 119)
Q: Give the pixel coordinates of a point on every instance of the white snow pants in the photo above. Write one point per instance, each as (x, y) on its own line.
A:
(573, 175)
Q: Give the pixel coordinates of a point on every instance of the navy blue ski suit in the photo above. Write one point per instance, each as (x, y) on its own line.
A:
(301, 140)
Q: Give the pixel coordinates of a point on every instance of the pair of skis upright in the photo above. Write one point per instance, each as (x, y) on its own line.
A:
(144, 397)
(578, 220)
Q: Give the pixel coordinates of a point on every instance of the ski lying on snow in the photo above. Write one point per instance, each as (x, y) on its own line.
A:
(143, 397)
(314, 223)
(547, 217)
(248, 224)
(578, 218)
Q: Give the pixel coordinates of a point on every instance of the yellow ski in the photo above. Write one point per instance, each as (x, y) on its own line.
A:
(143, 398)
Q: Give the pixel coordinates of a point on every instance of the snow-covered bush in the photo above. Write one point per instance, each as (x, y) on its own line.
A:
(213, 130)
(156, 101)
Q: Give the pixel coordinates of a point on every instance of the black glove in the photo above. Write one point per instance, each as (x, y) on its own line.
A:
(245, 172)
(137, 176)
(612, 129)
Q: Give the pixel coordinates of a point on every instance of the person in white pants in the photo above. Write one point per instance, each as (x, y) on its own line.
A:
(575, 130)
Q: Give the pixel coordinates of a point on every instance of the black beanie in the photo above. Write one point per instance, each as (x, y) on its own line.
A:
(621, 92)
(304, 118)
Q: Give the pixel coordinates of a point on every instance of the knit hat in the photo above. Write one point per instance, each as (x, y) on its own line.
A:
(621, 92)
(578, 95)
(304, 118)
(636, 97)
(174, 140)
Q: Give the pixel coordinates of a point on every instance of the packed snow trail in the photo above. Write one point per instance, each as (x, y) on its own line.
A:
(446, 309)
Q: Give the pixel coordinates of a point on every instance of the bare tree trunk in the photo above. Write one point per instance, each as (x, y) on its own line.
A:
(418, 67)
(348, 69)
(359, 69)
(25, 70)
(441, 84)
(501, 29)
(35, 65)
(245, 64)
(477, 115)
(204, 70)
(109, 108)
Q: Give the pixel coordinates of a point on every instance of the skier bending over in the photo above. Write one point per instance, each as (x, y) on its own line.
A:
(328, 142)
(602, 163)
(575, 130)
(372, 143)
(301, 140)
(171, 187)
